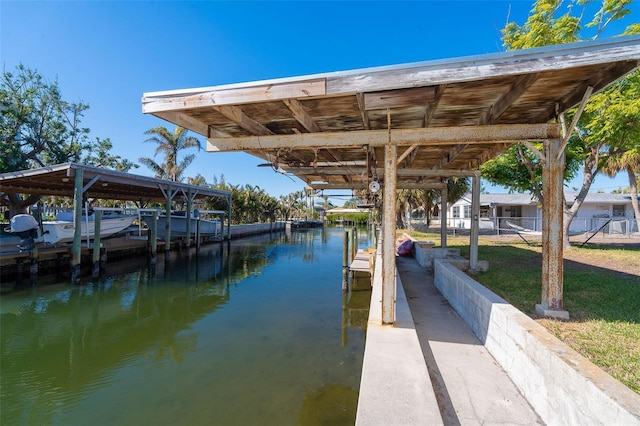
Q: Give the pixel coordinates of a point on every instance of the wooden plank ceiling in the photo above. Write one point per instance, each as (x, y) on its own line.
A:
(446, 117)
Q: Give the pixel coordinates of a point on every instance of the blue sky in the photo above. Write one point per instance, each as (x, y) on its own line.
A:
(108, 53)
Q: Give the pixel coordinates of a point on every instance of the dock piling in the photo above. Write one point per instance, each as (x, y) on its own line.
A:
(33, 269)
(345, 261)
(95, 266)
(354, 243)
(153, 237)
(198, 236)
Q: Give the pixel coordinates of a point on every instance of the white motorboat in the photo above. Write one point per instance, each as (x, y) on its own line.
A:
(208, 228)
(62, 229)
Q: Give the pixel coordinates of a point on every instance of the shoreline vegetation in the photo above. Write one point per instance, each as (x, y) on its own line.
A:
(601, 294)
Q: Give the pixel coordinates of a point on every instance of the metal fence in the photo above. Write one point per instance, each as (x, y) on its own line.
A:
(612, 227)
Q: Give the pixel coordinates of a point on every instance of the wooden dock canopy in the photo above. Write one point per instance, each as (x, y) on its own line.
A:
(411, 126)
(444, 116)
(98, 182)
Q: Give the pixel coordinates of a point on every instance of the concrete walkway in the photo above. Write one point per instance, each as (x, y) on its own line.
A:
(470, 387)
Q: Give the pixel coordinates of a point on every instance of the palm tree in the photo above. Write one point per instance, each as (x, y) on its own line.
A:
(170, 145)
(406, 201)
(629, 161)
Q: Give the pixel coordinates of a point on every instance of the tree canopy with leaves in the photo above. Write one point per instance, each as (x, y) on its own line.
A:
(609, 125)
(37, 128)
(100, 155)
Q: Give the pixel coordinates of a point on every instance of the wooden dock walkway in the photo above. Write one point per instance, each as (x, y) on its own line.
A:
(363, 263)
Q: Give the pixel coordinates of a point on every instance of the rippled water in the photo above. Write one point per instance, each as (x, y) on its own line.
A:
(258, 333)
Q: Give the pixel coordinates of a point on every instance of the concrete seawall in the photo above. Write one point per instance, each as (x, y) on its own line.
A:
(256, 228)
(395, 388)
(561, 385)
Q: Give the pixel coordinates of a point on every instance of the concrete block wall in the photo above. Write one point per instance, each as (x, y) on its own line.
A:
(425, 255)
(560, 384)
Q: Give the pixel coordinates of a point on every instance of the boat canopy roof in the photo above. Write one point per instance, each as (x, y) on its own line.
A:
(99, 183)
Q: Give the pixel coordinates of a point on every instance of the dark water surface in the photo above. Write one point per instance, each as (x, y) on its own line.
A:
(258, 333)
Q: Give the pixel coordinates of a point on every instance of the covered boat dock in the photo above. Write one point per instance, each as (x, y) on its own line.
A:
(79, 182)
(414, 126)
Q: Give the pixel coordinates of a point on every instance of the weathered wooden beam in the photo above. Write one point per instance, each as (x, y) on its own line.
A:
(507, 98)
(363, 112)
(406, 153)
(605, 76)
(235, 114)
(574, 122)
(214, 132)
(535, 151)
(378, 138)
(301, 115)
(364, 185)
(182, 119)
(175, 100)
(433, 105)
(331, 156)
(452, 155)
(486, 66)
(379, 171)
(399, 98)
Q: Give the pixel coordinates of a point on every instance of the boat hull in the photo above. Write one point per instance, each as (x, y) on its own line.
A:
(208, 228)
(61, 231)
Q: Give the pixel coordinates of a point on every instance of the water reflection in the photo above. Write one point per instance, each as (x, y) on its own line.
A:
(254, 332)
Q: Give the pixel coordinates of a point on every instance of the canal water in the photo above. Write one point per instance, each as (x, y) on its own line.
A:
(257, 332)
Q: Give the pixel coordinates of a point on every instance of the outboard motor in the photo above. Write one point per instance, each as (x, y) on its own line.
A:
(24, 226)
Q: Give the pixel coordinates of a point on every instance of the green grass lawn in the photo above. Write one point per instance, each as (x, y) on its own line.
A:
(604, 304)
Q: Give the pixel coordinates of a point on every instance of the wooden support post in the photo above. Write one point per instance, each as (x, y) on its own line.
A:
(475, 222)
(76, 255)
(189, 216)
(552, 237)
(33, 269)
(354, 243)
(198, 237)
(95, 267)
(153, 236)
(167, 223)
(228, 218)
(389, 235)
(444, 205)
(345, 261)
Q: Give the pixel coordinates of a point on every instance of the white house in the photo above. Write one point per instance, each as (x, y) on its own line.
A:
(614, 211)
